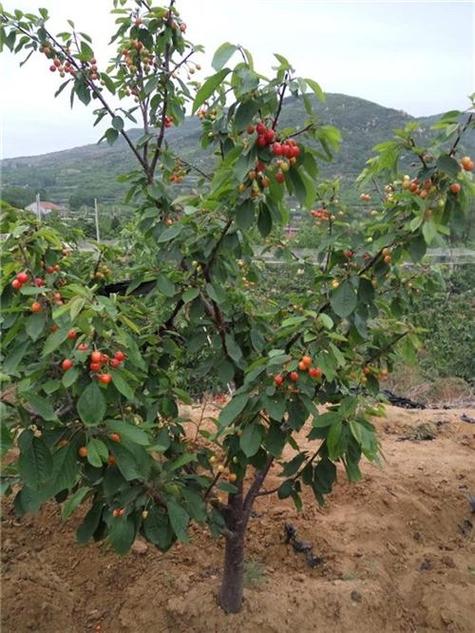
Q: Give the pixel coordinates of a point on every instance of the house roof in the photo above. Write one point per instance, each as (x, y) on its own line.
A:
(45, 205)
(49, 205)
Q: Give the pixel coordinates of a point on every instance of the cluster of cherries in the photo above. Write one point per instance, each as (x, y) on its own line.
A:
(287, 153)
(19, 281)
(305, 365)
(23, 278)
(96, 360)
(320, 214)
(267, 136)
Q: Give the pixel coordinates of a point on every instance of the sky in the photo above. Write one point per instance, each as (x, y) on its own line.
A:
(413, 56)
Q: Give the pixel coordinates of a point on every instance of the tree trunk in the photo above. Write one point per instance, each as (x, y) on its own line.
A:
(230, 594)
(237, 517)
(232, 585)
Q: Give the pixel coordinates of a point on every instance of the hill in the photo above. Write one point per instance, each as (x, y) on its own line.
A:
(93, 168)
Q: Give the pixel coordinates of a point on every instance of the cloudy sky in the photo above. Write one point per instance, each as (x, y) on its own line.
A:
(413, 56)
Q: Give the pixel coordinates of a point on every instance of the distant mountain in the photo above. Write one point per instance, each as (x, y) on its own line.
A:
(92, 169)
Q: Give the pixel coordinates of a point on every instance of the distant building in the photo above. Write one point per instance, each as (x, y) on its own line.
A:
(45, 207)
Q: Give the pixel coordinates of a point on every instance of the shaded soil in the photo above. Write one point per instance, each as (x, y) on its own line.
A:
(398, 550)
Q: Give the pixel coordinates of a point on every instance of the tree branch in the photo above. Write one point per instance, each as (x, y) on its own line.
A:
(256, 485)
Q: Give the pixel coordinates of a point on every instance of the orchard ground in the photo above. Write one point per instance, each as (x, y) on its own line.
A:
(398, 550)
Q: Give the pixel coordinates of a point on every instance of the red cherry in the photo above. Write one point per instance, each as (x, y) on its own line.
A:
(16, 285)
(261, 128)
(280, 177)
(105, 379)
(260, 166)
(67, 364)
(82, 347)
(251, 129)
(72, 334)
(39, 282)
(50, 269)
(455, 187)
(315, 372)
(36, 307)
(120, 356)
(294, 376)
(96, 357)
(277, 149)
(261, 141)
(270, 136)
(115, 363)
(95, 366)
(279, 379)
(53, 68)
(295, 151)
(22, 277)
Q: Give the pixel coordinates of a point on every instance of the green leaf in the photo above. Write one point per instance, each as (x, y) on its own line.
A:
(54, 341)
(285, 489)
(127, 462)
(179, 519)
(157, 528)
(264, 221)
(429, 231)
(86, 52)
(35, 463)
(190, 294)
(245, 215)
(275, 439)
(91, 521)
(245, 113)
(97, 452)
(70, 377)
(117, 123)
(251, 438)
(129, 432)
(275, 405)
(333, 440)
(184, 459)
(111, 135)
(121, 384)
(233, 348)
(41, 407)
(234, 407)
(343, 300)
(298, 185)
(209, 87)
(165, 286)
(326, 321)
(170, 233)
(448, 165)
(65, 467)
(74, 501)
(15, 357)
(222, 55)
(122, 534)
(34, 325)
(91, 405)
(318, 92)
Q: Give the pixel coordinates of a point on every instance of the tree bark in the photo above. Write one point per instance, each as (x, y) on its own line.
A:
(231, 591)
(232, 586)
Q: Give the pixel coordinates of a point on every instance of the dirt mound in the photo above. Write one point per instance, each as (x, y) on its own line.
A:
(398, 556)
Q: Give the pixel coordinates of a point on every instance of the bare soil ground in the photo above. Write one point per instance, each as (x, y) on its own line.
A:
(398, 550)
